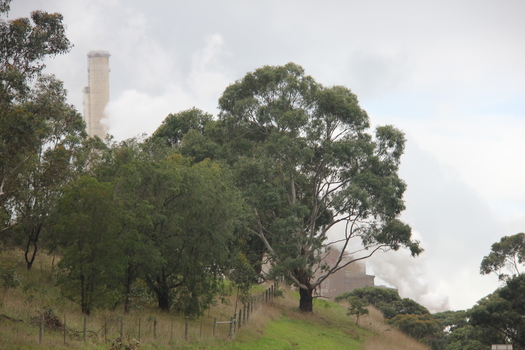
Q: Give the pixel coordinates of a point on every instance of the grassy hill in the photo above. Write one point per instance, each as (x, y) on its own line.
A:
(278, 325)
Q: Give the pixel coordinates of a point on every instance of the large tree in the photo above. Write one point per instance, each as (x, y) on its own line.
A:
(508, 253)
(182, 219)
(307, 165)
(24, 44)
(47, 169)
(40, 133)
(194, 215)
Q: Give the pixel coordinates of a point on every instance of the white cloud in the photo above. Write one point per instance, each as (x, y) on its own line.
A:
(134, 113)
(485, 150)
(208, 77)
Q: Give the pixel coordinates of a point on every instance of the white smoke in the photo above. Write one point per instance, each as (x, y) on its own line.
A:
(410, 276)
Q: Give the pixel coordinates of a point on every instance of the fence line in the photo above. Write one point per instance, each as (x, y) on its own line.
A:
(131, 329)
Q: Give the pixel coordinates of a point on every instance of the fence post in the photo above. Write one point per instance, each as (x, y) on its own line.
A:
(186, 328)
(41, 333)
(171, 331)
(239, 325)
(85, 329)
(139, 330)
(232, 326)
(122, 327)
(214, 326)
(155, 328)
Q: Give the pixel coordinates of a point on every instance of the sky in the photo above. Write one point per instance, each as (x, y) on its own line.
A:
(449, 73)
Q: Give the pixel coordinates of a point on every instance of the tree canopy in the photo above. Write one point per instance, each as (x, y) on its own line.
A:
(303, 157)
(508, 253)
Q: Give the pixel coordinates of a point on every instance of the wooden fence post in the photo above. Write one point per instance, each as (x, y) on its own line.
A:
(85, 329)
(214, 326)
(41, 333)
(186, 328)
(171, 331)
(239, 325)
(155, 328)
(122, 328)
(232, 326)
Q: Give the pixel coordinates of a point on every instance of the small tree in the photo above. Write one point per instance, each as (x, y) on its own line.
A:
(357, 308)
(88, 229)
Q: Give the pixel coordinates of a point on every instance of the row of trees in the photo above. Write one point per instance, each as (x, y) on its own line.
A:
(495, 319)
(204, 198)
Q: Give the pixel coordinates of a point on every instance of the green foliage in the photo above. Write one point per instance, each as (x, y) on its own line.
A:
(357, 308)
(509, 253)
(41, 134)
(424, 328)
(87, 231)
(386, 300)
(466, 337)
(183, 219)
(452, 320)
(301, 155)
(372, 295)
(500, 315)
(9, 278)
(176, 126)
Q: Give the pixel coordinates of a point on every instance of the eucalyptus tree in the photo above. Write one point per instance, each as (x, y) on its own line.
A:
(308, 165)
(24, 44)
(41, 133)
(508, 253)
(48, 168)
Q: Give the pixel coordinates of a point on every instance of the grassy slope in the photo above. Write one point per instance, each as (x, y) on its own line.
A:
(286, 328)
(279, 326)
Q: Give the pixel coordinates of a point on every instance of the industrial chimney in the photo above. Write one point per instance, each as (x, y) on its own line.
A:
(96, 94)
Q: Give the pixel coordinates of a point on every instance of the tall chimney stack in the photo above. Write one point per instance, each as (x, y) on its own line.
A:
(96, 94)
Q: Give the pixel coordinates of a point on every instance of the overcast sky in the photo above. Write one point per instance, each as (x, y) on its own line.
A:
(450, 74)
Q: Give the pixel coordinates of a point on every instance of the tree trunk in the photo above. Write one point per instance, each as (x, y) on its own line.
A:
(160, 287)
(127, 288)
(163, 299)
(306, 298)
(32, 245)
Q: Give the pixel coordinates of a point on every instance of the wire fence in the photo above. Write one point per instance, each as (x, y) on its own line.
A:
(127, 331)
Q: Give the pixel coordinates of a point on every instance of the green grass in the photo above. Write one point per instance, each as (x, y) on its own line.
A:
(288, 333)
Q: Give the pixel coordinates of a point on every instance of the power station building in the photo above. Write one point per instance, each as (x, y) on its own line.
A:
(347, 279)
(96, 94)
